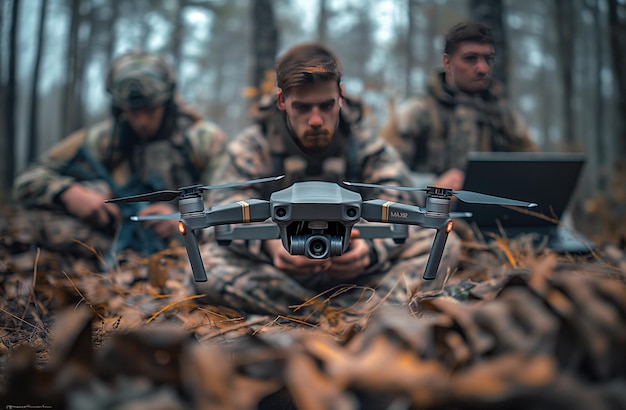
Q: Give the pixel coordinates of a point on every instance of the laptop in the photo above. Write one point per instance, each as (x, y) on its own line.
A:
(548, 179)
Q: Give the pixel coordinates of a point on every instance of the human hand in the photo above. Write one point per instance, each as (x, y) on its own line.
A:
(452, 178)
(354, 261)
(163, 228)
(293, 264)
(89, 205)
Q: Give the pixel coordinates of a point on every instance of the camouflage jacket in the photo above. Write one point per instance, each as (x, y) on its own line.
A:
(435, 132)
(266, 149)
(189, 154)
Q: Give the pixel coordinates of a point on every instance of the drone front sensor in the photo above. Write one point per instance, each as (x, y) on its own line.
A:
(315, 218)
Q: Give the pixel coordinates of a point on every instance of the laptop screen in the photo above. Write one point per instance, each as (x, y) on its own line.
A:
(548, 179)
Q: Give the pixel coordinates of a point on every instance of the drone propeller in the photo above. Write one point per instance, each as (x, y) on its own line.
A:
(458, 215)
(156, 217)
(168, 195)
(478, 198)
(465, 196)
(397, 188)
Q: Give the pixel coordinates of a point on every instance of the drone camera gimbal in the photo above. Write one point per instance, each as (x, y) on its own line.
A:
(315, 219)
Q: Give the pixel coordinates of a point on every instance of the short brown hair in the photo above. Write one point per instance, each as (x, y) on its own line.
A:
(307, 63)
(470, 30)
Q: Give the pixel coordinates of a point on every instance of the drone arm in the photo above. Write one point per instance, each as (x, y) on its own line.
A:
(378, 210)
(252, 210)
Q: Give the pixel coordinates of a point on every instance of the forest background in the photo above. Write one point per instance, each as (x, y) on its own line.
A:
(562, 61)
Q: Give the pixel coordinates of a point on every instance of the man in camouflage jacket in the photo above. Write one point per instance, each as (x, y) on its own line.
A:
(153, 141)
(464, 111)
(311, 131)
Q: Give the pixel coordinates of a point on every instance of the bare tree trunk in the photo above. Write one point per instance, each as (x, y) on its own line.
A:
(218, 85)
(433, 55)
(71, 58)
(146, 28)
(410, 33)
(10, 103)
(178, 35)
(546, 118)
(617, 25)
(33, 136)
(564, 17)
(491, 13)
(3, 135)
(363, 30)
(2, 20)
(264, 40)
(88, 20)
(600, 103)
(322, 22)
(111, 39)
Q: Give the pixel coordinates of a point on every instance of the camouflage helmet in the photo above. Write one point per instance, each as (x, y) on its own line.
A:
(140, 79)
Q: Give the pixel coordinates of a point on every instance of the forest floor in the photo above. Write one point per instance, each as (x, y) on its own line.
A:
(516, 326)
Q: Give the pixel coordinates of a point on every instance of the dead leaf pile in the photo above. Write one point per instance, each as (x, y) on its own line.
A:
(516, 327)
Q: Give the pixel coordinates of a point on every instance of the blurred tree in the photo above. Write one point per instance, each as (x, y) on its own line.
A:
(224, 63)
(142, 15)
(110, 20)
(599, 143)
(264, 41)
(353, 40)
(177, 39)
(566, 26)
(3, 122)
(410, 44)
(9, 96)
(617, 24)
(322, 21)
(33, 136)
(70, 104)
(533, 81)
(182, 35)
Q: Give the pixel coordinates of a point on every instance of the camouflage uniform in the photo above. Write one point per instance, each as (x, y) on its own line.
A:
(109, 156)
(434, 133)
(242, 276)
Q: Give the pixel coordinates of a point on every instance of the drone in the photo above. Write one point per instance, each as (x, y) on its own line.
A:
(313, 218)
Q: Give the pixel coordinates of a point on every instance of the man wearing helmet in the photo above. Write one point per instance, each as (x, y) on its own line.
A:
(152, 141)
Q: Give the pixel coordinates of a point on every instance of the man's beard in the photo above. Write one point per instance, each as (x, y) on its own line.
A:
(316, 140)
(313, 141)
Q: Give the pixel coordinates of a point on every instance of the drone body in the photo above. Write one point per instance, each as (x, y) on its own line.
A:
(313, 218)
